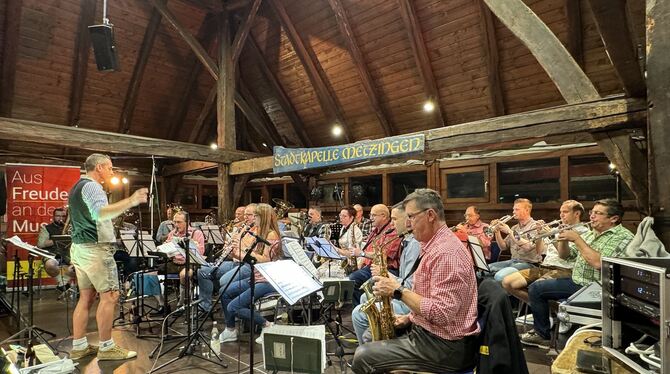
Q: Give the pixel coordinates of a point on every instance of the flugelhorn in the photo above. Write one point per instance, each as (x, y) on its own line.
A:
(560, 229)
(533, 232)
(491, 229)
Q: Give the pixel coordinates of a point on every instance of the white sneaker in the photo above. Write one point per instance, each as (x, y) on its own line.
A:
(259, 340)
(564, 327)
(228, 336)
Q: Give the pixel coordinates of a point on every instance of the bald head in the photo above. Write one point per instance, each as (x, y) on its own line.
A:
(380, 215)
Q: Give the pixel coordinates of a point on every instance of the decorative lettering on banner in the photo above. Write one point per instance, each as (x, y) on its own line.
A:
(33, 193)
(296, 159)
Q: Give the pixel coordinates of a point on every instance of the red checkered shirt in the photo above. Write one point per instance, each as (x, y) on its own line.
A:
(446, 280)
(391, 246)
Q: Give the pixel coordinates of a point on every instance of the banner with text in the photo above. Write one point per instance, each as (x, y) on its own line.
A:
(296, 159)
(33, 192)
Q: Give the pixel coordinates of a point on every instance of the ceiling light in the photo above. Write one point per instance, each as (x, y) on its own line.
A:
(337, 130)
(213, 146)
(428, 106)
(124, 180)
(264, 145)
(612, 166)
(115, 180)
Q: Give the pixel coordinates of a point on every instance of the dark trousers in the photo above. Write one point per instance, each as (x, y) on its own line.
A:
(539, 294)
(418, 350)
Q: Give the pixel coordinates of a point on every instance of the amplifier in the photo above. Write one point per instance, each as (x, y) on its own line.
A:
(636, 308)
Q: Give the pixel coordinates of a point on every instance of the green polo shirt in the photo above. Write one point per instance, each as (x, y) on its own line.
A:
(611, 243)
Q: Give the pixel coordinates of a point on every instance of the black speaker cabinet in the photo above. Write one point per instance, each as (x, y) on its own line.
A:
(102, 40)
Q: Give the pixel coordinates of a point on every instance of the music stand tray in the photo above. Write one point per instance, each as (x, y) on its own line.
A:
(337, 290)
(136, 247)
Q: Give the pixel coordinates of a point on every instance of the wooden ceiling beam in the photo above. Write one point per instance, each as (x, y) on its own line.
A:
(357, 56)
(232, 5)
(102, 141)
(573, 15)
(602, 115)
(225, 97)
(243, 33)
(125, 121)
(420, 53)
(82, 46)
(205, 113)
(12, 34)
(612, 23)
(187, 167)
(279, 94)
(569, 78)
(490, 51)
(317, 76)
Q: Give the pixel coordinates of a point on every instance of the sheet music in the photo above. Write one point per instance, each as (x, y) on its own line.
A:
(317, 332)
(298, 255)
(15, 240)
(171, 249)
(291, 280)
(323, 248)
(477, 253)
(196, 257)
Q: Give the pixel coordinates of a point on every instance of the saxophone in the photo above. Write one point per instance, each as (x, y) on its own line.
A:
(382, 321)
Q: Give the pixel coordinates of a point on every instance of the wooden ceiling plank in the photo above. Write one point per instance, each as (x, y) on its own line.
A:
(11, 32)
(235, 4)
(102, 141)
(82, 46)
(573, 15)
(420, 53)
(203, 115)
(260, 123)
(612, 23)
(569, 78)
(243, 33)
(357, 56)
(314, 71)
(187, 167)
(279, 94)
(126, 118)
(490, 51)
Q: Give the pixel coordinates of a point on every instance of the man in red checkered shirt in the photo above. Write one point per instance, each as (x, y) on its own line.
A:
(442, 325)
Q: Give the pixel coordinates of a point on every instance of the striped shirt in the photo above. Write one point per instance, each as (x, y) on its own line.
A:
(611, 243)
(446, 281)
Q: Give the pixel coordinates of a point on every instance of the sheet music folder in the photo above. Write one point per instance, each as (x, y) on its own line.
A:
(297, 349)
(33, 250)
(322, 247)
(292, 281)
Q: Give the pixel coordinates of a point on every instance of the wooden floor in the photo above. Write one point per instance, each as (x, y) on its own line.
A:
(55, 316)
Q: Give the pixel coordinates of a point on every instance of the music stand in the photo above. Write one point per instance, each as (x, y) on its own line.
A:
(298, 349)
(212, 234)
(477, 253)
(324, 248)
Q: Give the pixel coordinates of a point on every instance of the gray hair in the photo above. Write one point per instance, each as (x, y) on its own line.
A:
(425, 198)
(614, 208)
(94, 160)
(316, 208)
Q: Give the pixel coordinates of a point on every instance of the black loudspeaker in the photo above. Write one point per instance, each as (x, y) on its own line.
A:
(102, 39)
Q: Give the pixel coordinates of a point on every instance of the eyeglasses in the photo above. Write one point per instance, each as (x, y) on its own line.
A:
(372, 216)
(248, 214)
(412, 216)
(597, 213)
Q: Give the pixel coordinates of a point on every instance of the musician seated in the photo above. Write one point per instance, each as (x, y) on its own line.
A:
(236, 300)
(350, 237)
(181, 230)
(525, 254)
(607, 238)
(60, 268)
(381, 234)
(409, 248)
(473, 226)
(365, 224)
(553, 266)
(213, 276)
(316, 227)
(442, 325)
(166, 226)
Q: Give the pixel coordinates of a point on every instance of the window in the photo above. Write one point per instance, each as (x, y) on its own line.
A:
(210, 194)
(402, 184)
(535, 180)
(276, 191)
(186, 196)
(253, 195)
(591, 179)
(467, 184)
(366, 191)
(296, 197)
(328, 194)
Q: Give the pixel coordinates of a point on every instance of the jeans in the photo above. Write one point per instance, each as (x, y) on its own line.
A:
(240, 306)
(539, 294)
(419, 350)
(360, 319)
(501, 269)
(359, 277)
(210, 279)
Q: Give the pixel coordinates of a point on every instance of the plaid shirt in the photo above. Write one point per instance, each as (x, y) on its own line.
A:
(611, 243)
(447, 283)
(477, 230)
(391, 249)
(366, 226)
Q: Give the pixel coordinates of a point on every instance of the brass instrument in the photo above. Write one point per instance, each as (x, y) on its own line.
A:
(531, 233)
(382, 321)
(560, 229)
(454, 228)
(282, 207)
(490, 230)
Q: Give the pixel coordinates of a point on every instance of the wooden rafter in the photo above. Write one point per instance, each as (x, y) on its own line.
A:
(205, 112)
(225, 90)
(11, 34)
(610, 16)
(82, 46)
(103, 141)
(125, 121)
(317, 76)
(569, 78)
(490, 51)
(420, 53)
(602, 115)
(261, 124)
(573, 15)
(243, 33)
(279, 94)
(357, 56)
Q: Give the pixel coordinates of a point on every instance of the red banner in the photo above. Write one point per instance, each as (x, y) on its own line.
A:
(33, 192)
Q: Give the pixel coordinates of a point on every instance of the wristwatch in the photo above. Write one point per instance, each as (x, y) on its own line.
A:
(397, 293)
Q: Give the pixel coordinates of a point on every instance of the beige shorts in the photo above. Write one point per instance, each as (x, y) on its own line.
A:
(95, 266)
(533, 274)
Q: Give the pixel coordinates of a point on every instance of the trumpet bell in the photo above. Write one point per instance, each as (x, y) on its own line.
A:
(282, 207)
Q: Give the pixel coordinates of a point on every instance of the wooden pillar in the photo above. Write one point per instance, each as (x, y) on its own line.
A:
(225, 114)
(658, 132)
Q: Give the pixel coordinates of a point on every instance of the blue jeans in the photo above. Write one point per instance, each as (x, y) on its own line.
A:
(501, 269)
(360, 319)
(240, 306)
(359, 277)
(539, 294)
(210, 279)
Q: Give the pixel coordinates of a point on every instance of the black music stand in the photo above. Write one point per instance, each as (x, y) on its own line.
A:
(477, 253)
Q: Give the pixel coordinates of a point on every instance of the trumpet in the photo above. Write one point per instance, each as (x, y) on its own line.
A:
(454, 228)
(527, 234)
(560, 229)
(490, 230)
